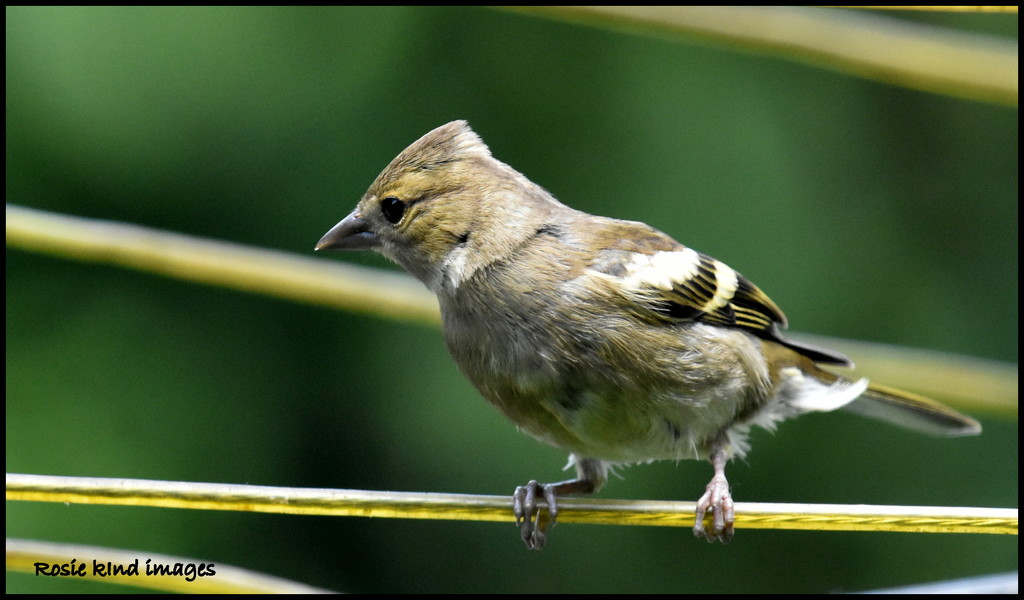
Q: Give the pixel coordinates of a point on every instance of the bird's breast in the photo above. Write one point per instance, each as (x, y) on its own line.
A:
(598, 383)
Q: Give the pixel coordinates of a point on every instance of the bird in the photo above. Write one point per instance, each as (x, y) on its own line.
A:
(605, 338)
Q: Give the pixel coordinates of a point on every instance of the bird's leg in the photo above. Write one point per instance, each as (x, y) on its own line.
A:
(590, 476)
(719, 500)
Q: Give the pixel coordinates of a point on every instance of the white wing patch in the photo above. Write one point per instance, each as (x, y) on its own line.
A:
(685, 269)
(662, 270)
(726, 283)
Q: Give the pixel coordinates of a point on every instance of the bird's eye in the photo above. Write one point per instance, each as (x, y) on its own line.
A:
(393, 209)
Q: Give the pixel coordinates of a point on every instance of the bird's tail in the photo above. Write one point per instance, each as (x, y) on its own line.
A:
(907, 410)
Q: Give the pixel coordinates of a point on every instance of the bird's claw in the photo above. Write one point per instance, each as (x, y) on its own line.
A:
(719, 500)
(528, 516)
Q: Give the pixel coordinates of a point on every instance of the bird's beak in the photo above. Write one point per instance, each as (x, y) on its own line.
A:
(353, 233)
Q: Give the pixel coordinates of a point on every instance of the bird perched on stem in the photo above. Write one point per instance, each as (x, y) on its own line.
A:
(602, 337)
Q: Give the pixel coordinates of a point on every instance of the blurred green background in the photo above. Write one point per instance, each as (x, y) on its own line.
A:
(865, 210)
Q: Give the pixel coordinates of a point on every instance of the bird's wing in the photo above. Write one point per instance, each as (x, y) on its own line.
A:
(673, 283)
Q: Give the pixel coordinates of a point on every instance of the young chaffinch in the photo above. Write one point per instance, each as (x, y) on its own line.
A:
(602, 337)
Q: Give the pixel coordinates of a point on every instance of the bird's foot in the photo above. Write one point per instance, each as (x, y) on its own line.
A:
(527, 512)
(719, 501)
